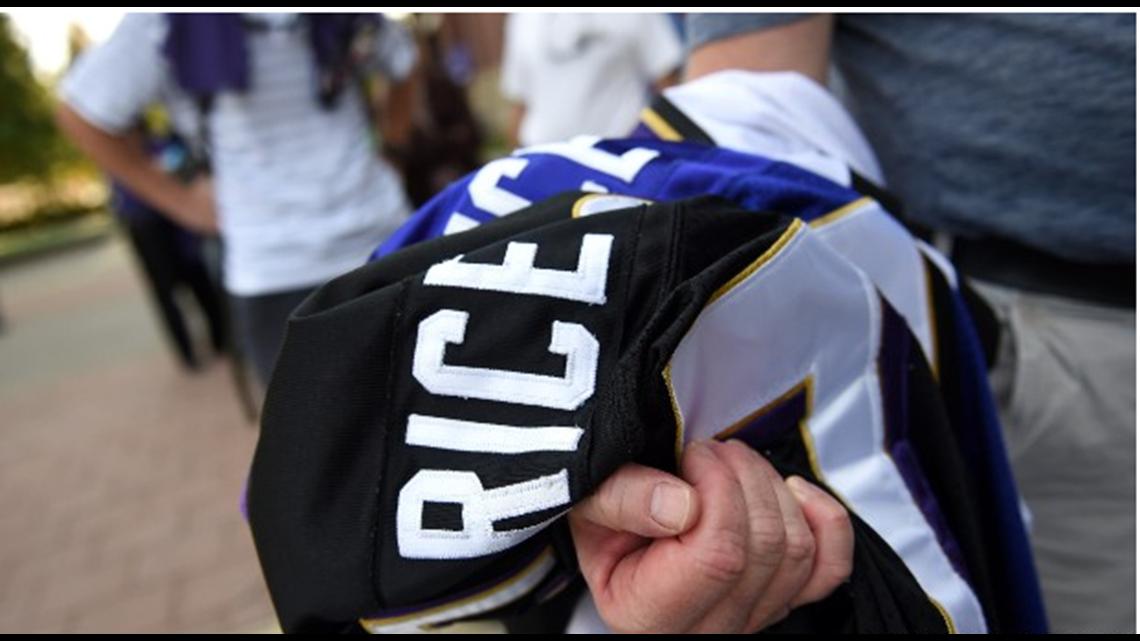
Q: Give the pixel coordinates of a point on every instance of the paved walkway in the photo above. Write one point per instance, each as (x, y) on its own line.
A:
(119, 475)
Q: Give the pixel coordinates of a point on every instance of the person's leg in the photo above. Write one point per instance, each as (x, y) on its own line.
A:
(155, 246)
(197, 278)
(261, 323)
(1066, 386)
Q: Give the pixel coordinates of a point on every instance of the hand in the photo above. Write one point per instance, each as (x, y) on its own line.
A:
(734, 549)
(196, 208)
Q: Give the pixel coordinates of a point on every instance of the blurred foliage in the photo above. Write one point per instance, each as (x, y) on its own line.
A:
(49, 214)
(30, 145)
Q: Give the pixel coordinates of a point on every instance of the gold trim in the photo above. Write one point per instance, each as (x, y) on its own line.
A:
(935, 354)
(950, 627)
(660, 126)
(679, 444)
(776, 248)
(576, 210)
(806, 386)
(827, 219)
(785, 397)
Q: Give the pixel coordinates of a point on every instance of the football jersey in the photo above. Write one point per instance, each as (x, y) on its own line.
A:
(985, 534)
(436, 412)
(1001, 562)
(854, 224)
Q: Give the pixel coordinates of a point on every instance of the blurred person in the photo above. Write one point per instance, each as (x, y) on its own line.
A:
(300, 194)
(1013, 138)
(444, 141)
(170, 257)
(584, 73)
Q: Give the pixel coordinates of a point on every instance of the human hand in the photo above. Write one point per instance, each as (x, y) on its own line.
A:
(196, 209)
(734, 549)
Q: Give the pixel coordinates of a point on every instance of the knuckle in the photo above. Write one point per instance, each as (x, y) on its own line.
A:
(800, 548)
(834, 515)
(725, 560)
(610, 501)
(771, 539)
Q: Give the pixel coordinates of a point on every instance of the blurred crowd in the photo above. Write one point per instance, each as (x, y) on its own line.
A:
(294, 144)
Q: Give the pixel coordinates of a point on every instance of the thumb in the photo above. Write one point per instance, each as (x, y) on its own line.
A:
(643, 501)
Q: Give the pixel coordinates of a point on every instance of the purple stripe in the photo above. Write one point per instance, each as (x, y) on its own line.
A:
(894, 354)
(765, 429)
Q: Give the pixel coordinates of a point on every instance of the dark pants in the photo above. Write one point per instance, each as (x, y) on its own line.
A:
(172, 259)
(260, 322)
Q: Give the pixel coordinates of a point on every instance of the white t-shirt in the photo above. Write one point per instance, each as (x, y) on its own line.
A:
(301, 195)
(583, 73)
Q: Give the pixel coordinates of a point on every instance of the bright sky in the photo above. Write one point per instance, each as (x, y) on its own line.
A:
(45, 31)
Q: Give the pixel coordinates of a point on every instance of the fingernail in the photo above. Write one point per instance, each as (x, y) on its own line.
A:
(702, 447)
(669, 506)
(802, 489)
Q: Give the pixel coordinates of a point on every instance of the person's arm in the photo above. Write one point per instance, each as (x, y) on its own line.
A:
(192, 206)
(514, 74)
(397, 112)
(396, 56)
(803, 46)
(666, 81)
(730, 548)
(660, 49)
(514, 124)
(102, 96)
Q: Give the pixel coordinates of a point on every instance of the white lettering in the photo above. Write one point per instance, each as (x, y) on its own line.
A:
(480, 508)
(518, 275)
(568, 392)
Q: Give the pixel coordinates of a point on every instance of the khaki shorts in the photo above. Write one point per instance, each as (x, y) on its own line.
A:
(1065, 384)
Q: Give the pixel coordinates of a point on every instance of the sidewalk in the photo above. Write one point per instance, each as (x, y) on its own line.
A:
(120, 475)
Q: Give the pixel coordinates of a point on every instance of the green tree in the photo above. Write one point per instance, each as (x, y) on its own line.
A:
(30, 144)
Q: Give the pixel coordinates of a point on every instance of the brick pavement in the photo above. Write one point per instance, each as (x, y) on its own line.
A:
(119, 474)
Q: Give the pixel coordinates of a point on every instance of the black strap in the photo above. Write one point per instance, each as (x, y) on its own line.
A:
(681, 123)
(200, 146)
(890, 202)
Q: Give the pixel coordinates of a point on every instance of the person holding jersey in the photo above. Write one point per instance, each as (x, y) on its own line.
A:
(1012, 139)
